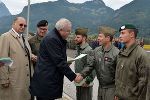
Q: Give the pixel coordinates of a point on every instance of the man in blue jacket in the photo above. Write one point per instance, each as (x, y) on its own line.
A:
(47, 81)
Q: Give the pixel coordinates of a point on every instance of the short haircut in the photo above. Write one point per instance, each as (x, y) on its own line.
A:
(135, 31)
(111, 36)
(81, 31)
(61, 23)
(84, 35)
(15, 19)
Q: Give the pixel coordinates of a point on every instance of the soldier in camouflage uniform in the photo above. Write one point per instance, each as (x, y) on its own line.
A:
(103, 60)
(132, 64)
(42, 29)
(84, 91)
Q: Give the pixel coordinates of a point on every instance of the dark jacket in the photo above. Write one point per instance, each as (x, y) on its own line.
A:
(51, 67)
(131, 73)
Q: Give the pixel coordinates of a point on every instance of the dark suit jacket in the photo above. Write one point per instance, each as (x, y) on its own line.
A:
(51, 67)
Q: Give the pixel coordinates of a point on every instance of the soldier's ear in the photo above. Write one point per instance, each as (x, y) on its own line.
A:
(107, 38)
(84, 38)
(132, 34)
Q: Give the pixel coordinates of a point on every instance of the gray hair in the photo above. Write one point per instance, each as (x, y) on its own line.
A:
(18, 18)
(62, 23)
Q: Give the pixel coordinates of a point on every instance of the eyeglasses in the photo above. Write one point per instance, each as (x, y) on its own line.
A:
(22, 25)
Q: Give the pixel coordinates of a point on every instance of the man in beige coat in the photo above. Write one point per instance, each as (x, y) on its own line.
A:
(14, 80)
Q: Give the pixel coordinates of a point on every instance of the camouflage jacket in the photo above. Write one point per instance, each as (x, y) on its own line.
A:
(80, 64)
(104, 63)
(35, 43)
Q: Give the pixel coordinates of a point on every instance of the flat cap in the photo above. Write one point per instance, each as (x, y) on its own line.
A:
(42, 23)
(127, 26)
(81, 31)
(107, 30)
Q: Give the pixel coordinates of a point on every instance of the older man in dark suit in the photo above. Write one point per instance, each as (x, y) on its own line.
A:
(47, 82)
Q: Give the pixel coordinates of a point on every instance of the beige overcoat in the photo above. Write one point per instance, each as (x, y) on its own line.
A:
(11, 45)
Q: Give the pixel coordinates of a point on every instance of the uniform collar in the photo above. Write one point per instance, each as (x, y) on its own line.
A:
(108, 49)
(39, 37)
(83, 46)
(127, 51)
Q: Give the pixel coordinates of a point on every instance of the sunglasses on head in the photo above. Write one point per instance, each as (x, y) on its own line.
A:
(22, 25)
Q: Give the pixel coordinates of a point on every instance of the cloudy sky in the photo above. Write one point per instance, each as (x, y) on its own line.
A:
(16, 6)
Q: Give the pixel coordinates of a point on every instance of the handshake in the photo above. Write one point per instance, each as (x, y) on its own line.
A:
(78, 78)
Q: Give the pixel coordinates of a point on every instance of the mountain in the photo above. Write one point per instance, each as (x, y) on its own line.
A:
(137, 13)
(3, 10)
(89, 14)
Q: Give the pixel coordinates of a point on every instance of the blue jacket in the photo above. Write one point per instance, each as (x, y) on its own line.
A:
(51, 67)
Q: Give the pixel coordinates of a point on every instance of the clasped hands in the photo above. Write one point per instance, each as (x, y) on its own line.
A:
(78, 78)
(34, 58)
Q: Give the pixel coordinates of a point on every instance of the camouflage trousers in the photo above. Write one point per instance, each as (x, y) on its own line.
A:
(106, 93)
(84, 93)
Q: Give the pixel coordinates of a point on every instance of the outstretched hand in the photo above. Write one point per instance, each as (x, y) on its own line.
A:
(116, 98)
(78, 78)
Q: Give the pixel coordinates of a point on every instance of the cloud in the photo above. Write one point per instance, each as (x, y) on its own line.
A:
(16, 6)
(116, 4)
(78, 1)
(38, 1)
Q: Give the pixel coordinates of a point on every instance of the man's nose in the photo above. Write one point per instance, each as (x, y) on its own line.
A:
(120, 36)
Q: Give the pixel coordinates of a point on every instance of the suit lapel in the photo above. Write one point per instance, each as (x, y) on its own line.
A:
(18, 38)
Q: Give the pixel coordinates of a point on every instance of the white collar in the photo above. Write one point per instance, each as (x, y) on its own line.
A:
(16, 32)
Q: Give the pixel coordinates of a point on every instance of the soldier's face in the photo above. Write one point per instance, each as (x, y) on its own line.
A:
(42, 30)
(78, 39)
(125, 36)
(101, 39)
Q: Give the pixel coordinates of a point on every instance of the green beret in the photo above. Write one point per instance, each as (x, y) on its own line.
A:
(107, 30)
(42, 23)
(81, 31)
(127, 26)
